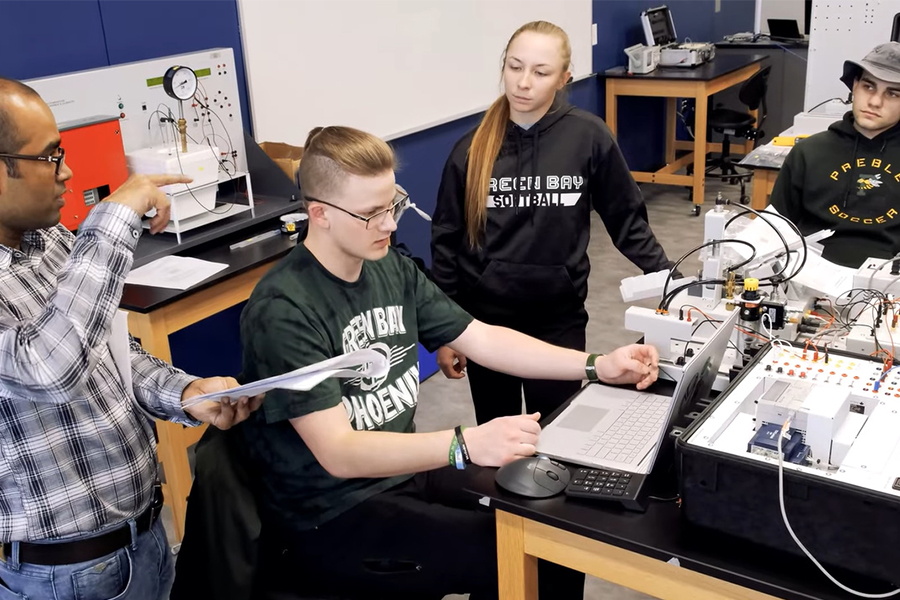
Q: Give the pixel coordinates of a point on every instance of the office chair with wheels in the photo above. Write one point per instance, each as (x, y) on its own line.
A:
(739, 124)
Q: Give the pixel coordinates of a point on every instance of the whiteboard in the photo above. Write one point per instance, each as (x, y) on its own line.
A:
(842, 30)
(390, 67)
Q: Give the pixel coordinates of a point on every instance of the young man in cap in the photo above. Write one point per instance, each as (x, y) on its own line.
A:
(848, 177)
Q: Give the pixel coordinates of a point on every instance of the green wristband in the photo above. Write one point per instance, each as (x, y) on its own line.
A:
(454, 444)
(590, 368)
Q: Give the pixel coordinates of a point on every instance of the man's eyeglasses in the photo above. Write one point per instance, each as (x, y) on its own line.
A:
(56, 159)
(396, 209)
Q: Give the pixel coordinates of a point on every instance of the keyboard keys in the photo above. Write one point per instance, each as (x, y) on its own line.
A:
(627, 439)
(616, 486)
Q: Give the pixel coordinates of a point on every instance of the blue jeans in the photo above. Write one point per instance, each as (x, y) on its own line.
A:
(142, 571)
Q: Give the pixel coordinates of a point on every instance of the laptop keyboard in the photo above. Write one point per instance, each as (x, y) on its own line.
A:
(625, 441)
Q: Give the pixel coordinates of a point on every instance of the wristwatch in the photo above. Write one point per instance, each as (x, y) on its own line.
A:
(590, 368)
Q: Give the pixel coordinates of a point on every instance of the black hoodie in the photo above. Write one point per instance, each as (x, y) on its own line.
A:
(840, 179)
(533, 257)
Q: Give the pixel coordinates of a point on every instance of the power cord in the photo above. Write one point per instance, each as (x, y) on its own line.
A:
(181, 168)
(784, 431)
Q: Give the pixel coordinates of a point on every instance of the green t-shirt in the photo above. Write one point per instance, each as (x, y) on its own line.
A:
(301, 314)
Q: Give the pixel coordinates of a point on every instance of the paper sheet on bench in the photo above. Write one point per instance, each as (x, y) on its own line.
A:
(361, 363)
(174, 272)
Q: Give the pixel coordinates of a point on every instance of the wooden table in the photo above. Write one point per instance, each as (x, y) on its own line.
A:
(672, 83)
(154, 313)
(763, 182)
(521, 541)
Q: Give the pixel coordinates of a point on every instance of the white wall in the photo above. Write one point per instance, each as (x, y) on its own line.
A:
(841, 30)
(385, 66)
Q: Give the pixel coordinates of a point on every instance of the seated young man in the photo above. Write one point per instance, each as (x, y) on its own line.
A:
(368, 505)
(842, 179)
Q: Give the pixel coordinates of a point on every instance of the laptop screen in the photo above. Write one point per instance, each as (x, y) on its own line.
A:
(786, 29)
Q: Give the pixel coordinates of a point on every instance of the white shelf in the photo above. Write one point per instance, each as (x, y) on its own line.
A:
(223, 178)
(204, 218)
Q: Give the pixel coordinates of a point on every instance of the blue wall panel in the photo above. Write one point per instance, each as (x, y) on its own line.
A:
(211, 347)
(736, 16)
(422, 156)
(48, 38)
(144, 29)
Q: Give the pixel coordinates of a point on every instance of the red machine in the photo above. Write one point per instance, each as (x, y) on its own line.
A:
(95, 153)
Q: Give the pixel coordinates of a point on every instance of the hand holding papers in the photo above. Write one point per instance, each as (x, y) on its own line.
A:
(362, 363)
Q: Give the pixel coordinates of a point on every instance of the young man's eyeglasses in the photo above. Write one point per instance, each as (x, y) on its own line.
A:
(396, 209)
(56, 159)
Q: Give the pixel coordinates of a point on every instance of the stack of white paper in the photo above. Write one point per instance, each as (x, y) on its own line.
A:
(361, 363)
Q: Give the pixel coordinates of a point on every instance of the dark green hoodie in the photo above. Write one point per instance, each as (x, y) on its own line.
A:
(839, 179)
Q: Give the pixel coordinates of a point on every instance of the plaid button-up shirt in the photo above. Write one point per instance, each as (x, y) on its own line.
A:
(76, 455)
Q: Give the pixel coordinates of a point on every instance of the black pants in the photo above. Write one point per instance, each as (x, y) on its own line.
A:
(421, 540)
(499, 395)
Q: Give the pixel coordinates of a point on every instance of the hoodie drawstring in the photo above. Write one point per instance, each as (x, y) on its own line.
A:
(534, 171)
(850, 180)
(518, 178)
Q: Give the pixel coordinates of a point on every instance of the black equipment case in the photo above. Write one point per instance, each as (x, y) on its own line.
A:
(844, 526)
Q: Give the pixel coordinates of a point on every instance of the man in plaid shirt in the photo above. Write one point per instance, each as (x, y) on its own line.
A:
(78, 500)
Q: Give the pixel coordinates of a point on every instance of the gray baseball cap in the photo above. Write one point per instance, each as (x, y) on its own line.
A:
(882, 62)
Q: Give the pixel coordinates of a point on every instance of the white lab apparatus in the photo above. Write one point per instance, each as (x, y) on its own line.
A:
(148, 119)
(200, 163)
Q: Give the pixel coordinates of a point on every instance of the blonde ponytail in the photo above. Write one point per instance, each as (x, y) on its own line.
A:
(489, 136)
(482, 154)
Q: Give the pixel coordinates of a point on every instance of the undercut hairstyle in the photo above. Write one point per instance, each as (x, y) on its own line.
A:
(333, 153)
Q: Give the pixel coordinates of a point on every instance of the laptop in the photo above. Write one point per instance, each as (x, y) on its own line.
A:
(784, 29)
(616, 433)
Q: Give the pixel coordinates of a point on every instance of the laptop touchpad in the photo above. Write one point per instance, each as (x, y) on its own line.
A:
(583, 418)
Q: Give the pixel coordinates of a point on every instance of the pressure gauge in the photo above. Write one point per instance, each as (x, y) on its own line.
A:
(180, 83)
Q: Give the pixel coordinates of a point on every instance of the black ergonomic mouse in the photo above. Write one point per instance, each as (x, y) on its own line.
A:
(533, 477)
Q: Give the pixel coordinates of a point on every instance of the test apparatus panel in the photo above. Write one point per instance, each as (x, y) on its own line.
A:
(845, 417)
(134, 92)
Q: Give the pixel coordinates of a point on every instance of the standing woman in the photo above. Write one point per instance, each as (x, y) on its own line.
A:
(512, 223)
